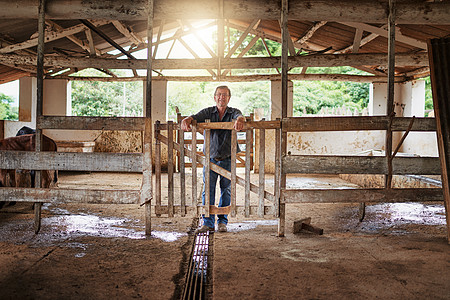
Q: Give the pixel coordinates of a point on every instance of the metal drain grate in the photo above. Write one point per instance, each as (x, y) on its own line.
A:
(196, 277)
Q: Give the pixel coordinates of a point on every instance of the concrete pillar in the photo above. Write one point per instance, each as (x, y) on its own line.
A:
(57, 97)
(159, 113)
(412, 102)
(27, 107)
(275, 96)
(27, 98)
(159, 100)
(378, 99)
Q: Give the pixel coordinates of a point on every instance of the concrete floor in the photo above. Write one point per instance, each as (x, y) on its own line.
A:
(100, 251)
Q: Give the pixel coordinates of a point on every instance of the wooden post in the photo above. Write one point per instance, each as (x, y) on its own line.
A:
(207, 167)
(170, 183)
(182, 172)
(233, 171)
(277, 175)
(284, 100)
(220, 39)
(194, 163)
(439, 56)
(390, 92)
(252, 154)
(248, 145)
(179, 135)
(2, 129)
(146, 190)
(157, 169)
(262, 158)
(39, 109)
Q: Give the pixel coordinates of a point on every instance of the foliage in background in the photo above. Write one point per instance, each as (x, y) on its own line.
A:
(190, 97)
(7, 111)
(95, 98)
(428, 94)
(106, 99)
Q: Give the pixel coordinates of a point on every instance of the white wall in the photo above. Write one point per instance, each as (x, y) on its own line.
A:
(27, 107)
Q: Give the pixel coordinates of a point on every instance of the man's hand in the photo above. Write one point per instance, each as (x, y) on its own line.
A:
(186, 124)
(239, 124)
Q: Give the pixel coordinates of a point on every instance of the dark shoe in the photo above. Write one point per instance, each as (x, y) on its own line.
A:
(204, 229)
(222, 227)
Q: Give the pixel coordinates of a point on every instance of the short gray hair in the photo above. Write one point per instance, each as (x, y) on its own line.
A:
(223, 87)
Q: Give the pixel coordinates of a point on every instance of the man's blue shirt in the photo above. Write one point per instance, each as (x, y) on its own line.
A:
(220, 138)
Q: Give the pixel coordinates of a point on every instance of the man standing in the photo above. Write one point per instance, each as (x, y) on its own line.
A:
(220, 151)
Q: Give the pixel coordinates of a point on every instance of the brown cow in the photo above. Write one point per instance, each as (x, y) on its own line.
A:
(23, 178)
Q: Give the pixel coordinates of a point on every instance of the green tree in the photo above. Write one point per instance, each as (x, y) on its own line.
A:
(95, 98)
(7, 111)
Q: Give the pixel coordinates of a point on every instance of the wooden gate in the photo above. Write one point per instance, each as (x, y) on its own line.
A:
(267, 202)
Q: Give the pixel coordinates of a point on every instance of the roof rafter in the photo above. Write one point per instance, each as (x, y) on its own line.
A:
(384, 33)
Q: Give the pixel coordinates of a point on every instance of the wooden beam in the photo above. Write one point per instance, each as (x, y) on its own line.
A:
(90, 48)
(240, 78)
(190, 209)
(311, 32)
(91, 123)
(357, 40)
(96, 162)
(329, 10)
(364, 41)
(59, 196)
(314, 164)
(193, 54)
(253, 25)
(199, 38)
(127, 32)
(51, 36)
(323, 60)
(361, 195)
(384, 33)
(355, 124)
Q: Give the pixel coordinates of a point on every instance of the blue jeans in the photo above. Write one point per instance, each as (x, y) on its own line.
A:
(225, 192)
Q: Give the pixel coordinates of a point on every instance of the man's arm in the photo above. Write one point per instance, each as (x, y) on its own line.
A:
(186, 123)
(239, 124)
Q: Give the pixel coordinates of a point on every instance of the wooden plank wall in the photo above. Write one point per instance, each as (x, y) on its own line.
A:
(439, 55)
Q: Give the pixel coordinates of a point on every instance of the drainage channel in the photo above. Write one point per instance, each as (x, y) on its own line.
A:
(197, 285)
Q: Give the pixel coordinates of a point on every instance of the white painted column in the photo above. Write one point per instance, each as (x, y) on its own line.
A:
(159, 100)
(27, 107)
(56, 95)
(275, 97)
(159, 112)
(413, 103)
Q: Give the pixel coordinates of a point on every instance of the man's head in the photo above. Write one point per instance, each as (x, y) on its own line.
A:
(222, 96)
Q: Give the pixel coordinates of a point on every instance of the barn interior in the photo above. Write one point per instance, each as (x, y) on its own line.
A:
(365, 215)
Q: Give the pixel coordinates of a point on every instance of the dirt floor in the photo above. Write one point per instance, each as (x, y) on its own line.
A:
(101, 252)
